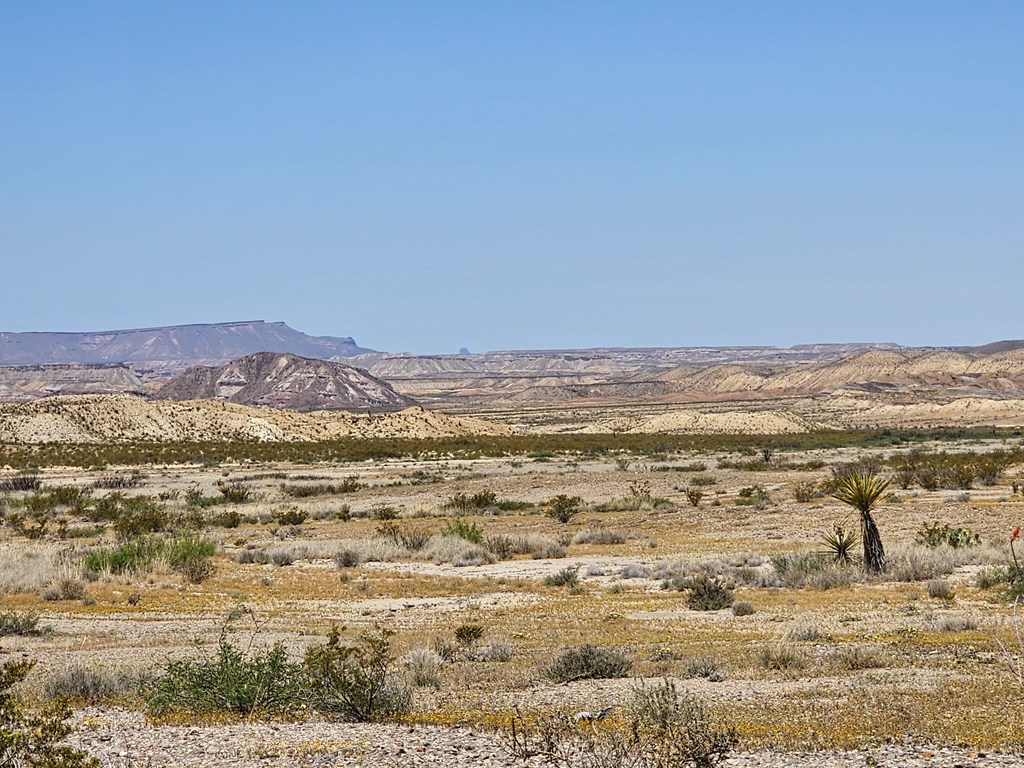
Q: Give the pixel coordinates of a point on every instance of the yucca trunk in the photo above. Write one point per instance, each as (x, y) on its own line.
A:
(874, 552)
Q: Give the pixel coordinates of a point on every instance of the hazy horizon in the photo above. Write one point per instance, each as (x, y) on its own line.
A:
(425, 177)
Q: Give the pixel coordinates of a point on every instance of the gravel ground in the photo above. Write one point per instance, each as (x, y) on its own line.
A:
(123, 739)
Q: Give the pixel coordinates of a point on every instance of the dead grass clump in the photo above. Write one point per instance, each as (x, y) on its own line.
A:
(956, 624)
(783, 656)
(633, 571)
(30, 567)
(423, 668)
(940, 589)
(455, 550)
(807, 633)
(857, 657)
(89, 684)
(916, 562)
(742, 608)
(599, 535)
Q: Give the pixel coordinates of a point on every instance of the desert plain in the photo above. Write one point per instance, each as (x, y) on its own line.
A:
(698, 561)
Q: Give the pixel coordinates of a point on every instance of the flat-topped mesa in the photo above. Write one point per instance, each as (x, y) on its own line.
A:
(170, 348)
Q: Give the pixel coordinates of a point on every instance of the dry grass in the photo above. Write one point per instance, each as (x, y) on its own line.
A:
(917, 666)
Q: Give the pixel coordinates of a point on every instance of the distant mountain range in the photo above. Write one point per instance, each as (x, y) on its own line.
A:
(172, 348)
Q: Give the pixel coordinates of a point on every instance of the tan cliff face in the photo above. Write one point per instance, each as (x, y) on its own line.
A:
(125, 419)
(275, 380)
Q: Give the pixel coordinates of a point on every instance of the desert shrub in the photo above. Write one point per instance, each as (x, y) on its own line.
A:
(89, 685)
(681, 731)
(704, 667)
(920, 563)
(939, 589)
(423, 668)
(356, 681)
(190, 556)
(23, 482)
(141, 520)
(703, 480)
(782, 656)
(465, 503)
(857, 657)
(807, 490)
(18, 623)
(694, 495)
(290, 516)
(134, 556)
(231, 518)
(260, 682)
(66, 588)
(34, 738)
(707, 594)
(567, 577)
(795, 569)
(494, 651)
(461, 529)
(546, 549)
(117, 482)
(503, 546)
(347, 485)
(347, 558)
(384, 512)
(235, 493)
(587, 662)
(599, 535)
(805, 633)
(563, 508)
(934, 534)
(469, 633)
(742, 608)
(633, 571)
(956, 624)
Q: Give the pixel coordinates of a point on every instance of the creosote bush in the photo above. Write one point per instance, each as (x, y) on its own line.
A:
(34, 737)
(587, 662)
(356, 681)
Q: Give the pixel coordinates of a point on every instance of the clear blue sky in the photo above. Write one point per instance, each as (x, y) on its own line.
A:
(430, 175)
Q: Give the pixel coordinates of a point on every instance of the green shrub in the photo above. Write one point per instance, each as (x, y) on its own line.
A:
(357, 682)
(290, 516)
(703, 480)
(463, 530)
(16, 623)
(190, 556)
(694, 495)
(563, 508)
(567, 577)
(462, 502)
(587, 662)
(34, 738)
(135, 556)
(263, 682)
(707, 593)
(348, 485)
(235, 493)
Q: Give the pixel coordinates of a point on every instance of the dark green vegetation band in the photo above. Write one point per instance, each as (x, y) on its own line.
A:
(533, 446)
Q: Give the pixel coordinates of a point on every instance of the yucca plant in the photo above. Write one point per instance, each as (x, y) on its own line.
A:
(840, 543)
(862, 490)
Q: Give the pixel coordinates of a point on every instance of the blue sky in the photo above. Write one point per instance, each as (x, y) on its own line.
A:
(430, 175)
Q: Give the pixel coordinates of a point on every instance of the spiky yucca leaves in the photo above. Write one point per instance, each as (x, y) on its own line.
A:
(862, 490)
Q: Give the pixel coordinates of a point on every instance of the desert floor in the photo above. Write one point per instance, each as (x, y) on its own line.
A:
(917, 666)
